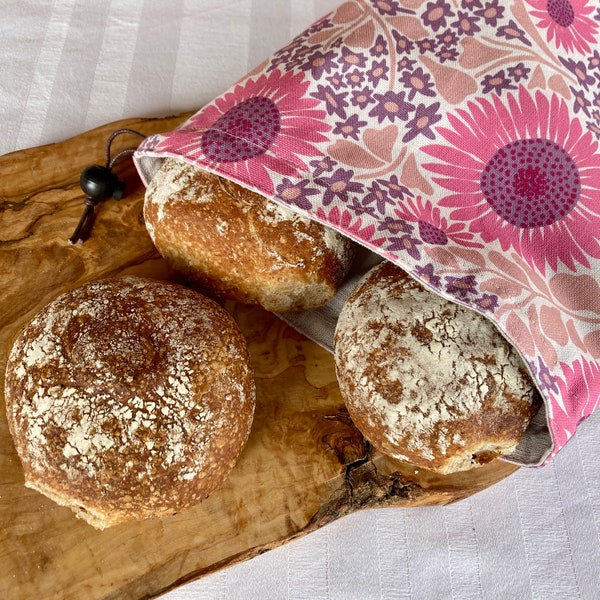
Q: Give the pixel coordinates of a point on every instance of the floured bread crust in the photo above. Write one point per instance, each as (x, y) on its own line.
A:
(428, 381)
(129, 398)
(240, 245)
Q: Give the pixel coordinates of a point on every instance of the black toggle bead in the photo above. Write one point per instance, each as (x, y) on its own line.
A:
(100, 183)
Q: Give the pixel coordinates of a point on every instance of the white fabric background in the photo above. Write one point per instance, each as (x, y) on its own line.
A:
(67, 66)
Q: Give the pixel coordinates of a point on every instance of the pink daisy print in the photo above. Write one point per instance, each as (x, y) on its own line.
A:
(433, 228)
(567, 22)
(579, 397)
(524, 173)
(262, 126)
(343, 220)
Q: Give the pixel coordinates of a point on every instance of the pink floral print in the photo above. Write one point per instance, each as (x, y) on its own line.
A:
(264, 125)
(522, 172)
(456, 138)
(433, 227)
(568, 23)
(578, 398)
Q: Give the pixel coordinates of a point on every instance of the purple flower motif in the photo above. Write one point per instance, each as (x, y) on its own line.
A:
(417, 82)
(487, 302)
(436, 14)
(466, 23)
(445, 53)
(340, 184)
(406, 243)
(544, 377)
(427, 275)
(300, 56)
(420, 124)
(285, 53)
(362, 98)
(350, 59)
(406, 64)
(594, 60)
(336, 80)
(296, 193)
(378, 196)
(395, 188)
(448, 38)
(470, 4)
(387, 7)
(360, 208)
(461, 286)
(392, 106)
(277, 61)
(580, 102)
(395, 226)
(403, 44)
(579, 70)
(426, 45)
(519, 72)
(491, 12)
(293, 54)
(335, 104)
(355, 78)
(324, 23)
(594, 127)
(380, 47)
(377, 72)
(319, 63)
(513, 32)
(151, 142)
(350, 128)
(496, 83)
(325, 164)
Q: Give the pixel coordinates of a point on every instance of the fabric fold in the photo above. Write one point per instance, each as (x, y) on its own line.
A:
(457, 140)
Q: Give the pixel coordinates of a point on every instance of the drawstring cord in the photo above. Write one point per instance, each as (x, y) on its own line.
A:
(100, 183)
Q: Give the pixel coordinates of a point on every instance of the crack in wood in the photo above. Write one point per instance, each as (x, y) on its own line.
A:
(364, 487)
(355, 465)
(19, 217)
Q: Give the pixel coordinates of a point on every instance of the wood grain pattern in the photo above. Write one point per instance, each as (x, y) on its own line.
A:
(304, 465)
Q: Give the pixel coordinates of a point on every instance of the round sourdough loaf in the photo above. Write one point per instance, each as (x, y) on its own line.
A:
(240, 245)
(129, 398)
(426, 380)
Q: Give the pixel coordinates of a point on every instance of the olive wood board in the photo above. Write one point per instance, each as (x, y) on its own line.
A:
(305, 463)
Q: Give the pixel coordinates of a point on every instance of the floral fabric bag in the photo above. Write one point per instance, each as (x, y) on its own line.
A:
(455, 138)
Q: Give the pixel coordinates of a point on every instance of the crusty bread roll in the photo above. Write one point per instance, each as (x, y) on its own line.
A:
(238, 244)
(129, 398)
(428, 381)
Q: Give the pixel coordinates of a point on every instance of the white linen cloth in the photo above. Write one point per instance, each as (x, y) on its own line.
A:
(69, 66)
